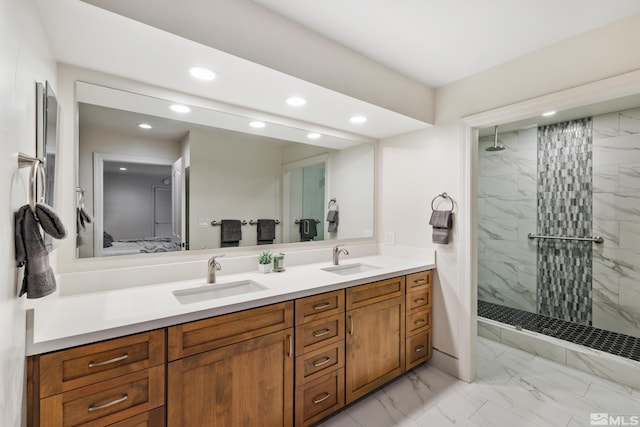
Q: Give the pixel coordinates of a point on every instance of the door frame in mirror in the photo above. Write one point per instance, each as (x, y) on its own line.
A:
(98, 190)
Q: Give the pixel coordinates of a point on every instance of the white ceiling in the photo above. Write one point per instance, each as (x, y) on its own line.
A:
(437, 42)
(433, 41)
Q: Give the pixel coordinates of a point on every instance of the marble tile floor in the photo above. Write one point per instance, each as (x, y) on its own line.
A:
(513, 389)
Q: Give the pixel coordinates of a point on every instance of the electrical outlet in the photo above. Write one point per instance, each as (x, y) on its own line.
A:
(390, 238)
(203, 222)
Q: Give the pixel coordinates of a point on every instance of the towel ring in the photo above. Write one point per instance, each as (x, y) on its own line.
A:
(37, 168)
(443, 195)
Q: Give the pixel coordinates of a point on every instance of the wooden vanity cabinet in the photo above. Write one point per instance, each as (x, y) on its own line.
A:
(319, 356)
(233, 370)
(102, 384)
(375, 335)
(419, 318)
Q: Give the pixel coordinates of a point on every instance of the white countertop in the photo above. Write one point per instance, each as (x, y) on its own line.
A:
(73, 320)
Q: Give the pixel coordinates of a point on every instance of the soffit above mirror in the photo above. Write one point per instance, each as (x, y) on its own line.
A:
(87, 36)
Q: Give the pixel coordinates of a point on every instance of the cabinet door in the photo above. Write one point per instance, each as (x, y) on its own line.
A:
(249, 383)
(375, 346)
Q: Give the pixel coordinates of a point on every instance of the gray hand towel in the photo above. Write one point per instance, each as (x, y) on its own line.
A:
(308, 229)
(82, 219)
(230, 233)
(442, 222)
(266, 231)
(38, 280)
(333, 218)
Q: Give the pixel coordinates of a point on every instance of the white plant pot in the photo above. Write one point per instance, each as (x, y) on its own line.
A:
(264, 268)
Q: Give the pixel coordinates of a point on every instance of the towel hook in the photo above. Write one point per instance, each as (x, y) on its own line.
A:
(37, 168)
(443, 195)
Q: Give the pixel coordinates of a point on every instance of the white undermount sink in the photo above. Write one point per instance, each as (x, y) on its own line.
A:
(217, 290)
(347, 269)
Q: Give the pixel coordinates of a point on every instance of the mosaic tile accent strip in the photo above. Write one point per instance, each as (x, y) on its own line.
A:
(599, 339)
(565, 209)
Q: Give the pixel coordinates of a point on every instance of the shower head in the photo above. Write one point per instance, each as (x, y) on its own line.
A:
(495, 146)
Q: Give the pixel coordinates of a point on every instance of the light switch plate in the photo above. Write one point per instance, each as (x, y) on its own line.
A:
(390, 238)
(203, 222)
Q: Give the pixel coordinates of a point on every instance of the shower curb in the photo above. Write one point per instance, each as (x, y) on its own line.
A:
(596, 362)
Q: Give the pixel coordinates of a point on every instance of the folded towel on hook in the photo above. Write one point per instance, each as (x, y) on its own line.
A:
(266, 230)
(308, 229)
(82, 219)
(442, 221)
(333, 218)
(230, 233)
(38, 279)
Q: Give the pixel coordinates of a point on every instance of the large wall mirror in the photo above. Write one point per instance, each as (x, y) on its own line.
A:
(152, 179)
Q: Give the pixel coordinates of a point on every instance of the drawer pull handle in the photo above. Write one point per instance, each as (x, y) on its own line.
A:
(420, 282)
(418, 349)
(350, 325)
(321, 333)
(290, 346)
(319, 399)
(419, 300)
(106, 405)
(420, 322)
(107, 362)
(321, 306)
(318, 363)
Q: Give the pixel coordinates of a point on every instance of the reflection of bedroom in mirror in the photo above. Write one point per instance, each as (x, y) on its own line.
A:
(186, 174)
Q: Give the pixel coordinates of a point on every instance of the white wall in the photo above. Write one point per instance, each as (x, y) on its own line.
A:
(25, 58)
(352, 170)
(217, 155)
(416, 167)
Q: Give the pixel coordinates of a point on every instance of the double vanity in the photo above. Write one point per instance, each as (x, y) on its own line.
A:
(277, 349)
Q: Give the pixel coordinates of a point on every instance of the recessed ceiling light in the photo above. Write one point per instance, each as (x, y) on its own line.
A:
(202, 73)
(548, 113)
(296, 101)
(358, 119)
(144, 125)
(257, 124)
(123, 169)
(313, 135)
(179, 108)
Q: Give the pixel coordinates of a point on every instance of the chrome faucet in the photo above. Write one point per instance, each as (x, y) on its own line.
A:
(213, 266)
(336, 253)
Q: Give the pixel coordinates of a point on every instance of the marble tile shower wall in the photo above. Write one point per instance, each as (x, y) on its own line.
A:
(616, 213)
(507, 203)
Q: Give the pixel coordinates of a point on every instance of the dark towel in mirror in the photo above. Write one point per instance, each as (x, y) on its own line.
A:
(333, 218)
(230, 233)
(38, 280)
(308, 229)
(441, 222)
(266, 231)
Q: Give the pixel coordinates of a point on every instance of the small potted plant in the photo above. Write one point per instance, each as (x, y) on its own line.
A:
(264, 261)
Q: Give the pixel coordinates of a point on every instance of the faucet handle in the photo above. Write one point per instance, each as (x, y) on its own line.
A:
(215, 264)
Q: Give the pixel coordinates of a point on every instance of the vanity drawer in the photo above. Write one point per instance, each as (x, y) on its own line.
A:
(106, 402)
(419, 300)
(155, 418)
(319, 398)
(418, 281)
(318, 306)
(371, 293)
(418, 349)
(316, 334)
(317, 363)
(418, 321)
(202, 335)
(80, 366)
